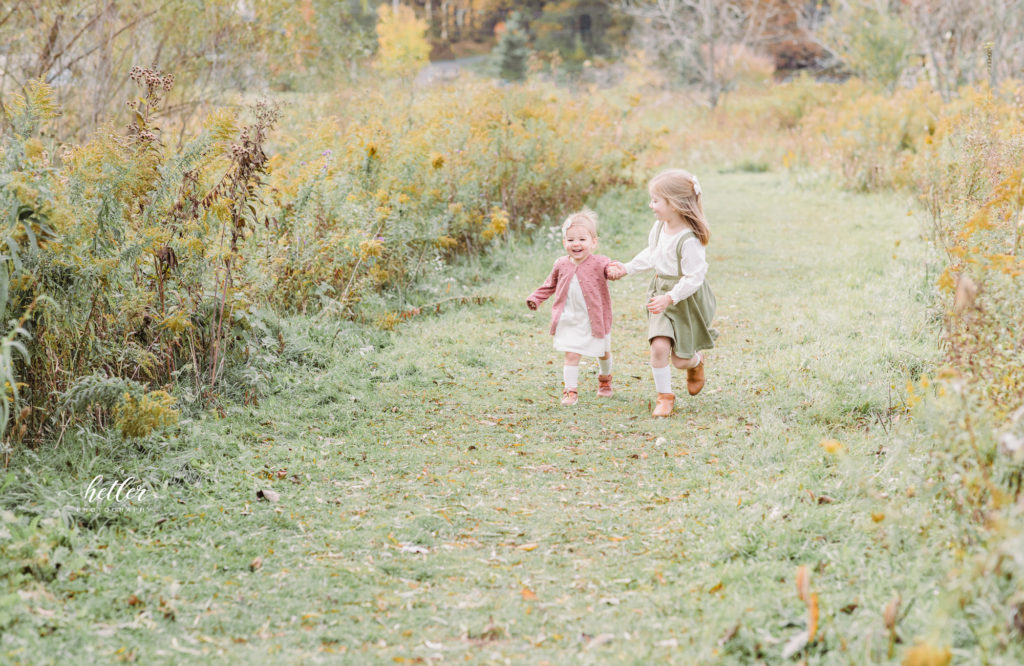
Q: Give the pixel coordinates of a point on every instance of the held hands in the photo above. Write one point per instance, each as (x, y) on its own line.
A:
(659, 303)
(615, 271)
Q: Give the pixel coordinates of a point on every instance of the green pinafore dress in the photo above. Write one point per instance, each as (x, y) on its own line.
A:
(687, 323)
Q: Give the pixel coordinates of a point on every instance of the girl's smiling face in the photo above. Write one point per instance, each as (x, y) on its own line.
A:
(578, 243)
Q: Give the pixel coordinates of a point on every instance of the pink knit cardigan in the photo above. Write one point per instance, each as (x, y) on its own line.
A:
(594, 283)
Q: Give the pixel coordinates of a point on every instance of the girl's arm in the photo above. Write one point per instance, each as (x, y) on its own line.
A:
(695, 267)
(644, 260)
(545, 290)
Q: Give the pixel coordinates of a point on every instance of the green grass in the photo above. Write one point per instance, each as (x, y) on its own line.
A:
(438, 503)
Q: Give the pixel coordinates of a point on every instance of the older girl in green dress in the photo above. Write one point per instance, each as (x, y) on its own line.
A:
(680, 306)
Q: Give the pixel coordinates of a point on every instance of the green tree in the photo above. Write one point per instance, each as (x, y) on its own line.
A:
(512, 52)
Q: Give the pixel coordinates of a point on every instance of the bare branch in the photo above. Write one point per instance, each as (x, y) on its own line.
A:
(703, 37)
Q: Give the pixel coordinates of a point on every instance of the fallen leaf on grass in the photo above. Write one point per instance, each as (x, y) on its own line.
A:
(415, 548)
(803, 583)
(810, 599)
(729, 635)
(493, 632)
(268, 495)
(256, 564)
(923, 654)
(794, 645)
(528, 547)
(832, 446)
(599, 640)
(528, 594)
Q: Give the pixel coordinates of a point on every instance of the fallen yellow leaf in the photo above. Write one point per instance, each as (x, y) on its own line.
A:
(803, 583)
(926, 655)
(831, 446)
(812, 616)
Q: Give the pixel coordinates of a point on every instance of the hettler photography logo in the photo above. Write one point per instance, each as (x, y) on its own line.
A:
(116, 494)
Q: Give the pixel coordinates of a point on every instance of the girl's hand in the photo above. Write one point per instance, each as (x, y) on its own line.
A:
(615, 271)
(658, 304)
(531, 304)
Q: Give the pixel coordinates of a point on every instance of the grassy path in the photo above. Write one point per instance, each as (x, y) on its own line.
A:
(437, 503)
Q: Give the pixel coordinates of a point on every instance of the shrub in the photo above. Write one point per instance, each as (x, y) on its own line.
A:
(383, 195)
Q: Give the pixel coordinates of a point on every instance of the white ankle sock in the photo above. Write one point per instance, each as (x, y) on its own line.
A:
(605, 365)
(571, 376)
(662, 379)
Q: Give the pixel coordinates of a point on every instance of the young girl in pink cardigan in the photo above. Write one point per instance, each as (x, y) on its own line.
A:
(581, 316)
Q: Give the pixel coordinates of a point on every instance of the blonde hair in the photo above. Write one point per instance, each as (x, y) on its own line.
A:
(682, 192)
(585, 218)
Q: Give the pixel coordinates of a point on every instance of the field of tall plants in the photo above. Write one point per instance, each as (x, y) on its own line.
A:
(132, 266)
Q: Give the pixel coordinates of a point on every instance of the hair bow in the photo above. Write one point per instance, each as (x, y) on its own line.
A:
(696, 187)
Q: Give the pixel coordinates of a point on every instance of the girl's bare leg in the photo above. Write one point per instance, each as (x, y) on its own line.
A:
(686, 363)
(661, 348)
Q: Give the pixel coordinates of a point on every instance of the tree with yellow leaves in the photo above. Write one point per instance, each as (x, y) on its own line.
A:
(402, 46)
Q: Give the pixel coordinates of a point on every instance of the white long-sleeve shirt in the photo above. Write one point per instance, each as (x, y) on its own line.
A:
(662, 258)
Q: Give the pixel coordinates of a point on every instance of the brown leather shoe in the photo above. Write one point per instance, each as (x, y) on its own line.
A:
(569, 397)
(663, 407)
(695, 378)
(604, 386)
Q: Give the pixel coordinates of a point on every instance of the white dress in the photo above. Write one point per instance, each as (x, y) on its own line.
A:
(573, 333)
